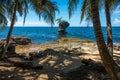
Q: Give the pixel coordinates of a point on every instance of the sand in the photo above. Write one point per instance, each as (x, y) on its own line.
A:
(71, 52)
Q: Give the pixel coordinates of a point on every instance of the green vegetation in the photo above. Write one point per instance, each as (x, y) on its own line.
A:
(91, 9)
(46, 9)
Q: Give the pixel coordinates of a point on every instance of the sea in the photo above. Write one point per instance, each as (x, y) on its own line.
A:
(49, 34)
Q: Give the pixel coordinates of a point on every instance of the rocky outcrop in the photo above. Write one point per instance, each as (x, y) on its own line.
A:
(19, 40)
(62, 27)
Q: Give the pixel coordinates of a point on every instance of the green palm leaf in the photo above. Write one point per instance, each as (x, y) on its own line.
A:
(3, 19)
(72, 5)
(45, 9)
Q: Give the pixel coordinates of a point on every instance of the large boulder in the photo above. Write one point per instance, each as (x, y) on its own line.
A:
(62, 27)
(21, 40)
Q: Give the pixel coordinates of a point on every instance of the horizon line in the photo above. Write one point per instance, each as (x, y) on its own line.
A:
(57, 26)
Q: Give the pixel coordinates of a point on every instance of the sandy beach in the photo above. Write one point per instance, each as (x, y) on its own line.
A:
(59, 58)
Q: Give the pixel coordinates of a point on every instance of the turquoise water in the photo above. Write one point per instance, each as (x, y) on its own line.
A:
(48, 34)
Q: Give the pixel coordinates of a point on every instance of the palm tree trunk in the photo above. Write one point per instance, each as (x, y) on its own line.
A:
(11, 27)
(109, 28)
(104, 53)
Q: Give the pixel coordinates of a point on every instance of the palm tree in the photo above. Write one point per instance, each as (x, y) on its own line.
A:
(112, 4)
(16, 7)
(44, 8)
(103, 50)
(108, 6)
(109, 28)
(104, 53)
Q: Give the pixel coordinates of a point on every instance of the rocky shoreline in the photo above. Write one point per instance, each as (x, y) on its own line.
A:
(24, 45)
(63, 59)
(72, 46)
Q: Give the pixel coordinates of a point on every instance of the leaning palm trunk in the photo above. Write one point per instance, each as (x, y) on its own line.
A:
(11, 27)
(104, 53)
(109, 28)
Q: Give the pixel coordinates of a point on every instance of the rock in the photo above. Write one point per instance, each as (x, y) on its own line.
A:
(62, 27)
(21, 40)
(49, 51)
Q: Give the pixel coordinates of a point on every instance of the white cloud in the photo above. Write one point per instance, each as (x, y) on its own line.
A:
(116, 21)
(20, 23)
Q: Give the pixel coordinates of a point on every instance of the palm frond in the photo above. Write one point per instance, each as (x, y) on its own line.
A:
(3, 19)
(72, 5)
(113, 4)
(83, 10)
(25, 4)
(86, 12)
(45, 9)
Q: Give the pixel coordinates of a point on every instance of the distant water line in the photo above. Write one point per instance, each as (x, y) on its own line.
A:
(48, 34)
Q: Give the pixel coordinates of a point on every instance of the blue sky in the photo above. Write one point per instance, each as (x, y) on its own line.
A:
(33, 20)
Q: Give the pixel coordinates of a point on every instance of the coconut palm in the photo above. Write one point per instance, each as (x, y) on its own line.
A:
(103, 50)
(12, 7)
(104, 53)
(44, 9)
(59, 20)
(108, 7)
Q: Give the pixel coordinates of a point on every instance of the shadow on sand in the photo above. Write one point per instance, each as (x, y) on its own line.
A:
(56, 66)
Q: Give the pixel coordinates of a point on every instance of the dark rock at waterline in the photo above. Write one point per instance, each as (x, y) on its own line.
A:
(19, 40)
(62, 27)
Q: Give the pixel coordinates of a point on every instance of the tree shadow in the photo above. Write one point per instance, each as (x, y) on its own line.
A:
(116, 57)
(56, 66)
